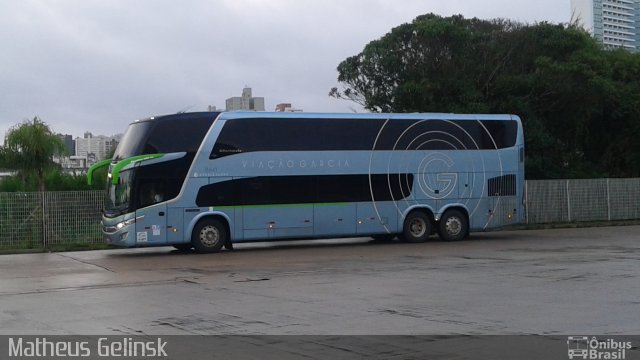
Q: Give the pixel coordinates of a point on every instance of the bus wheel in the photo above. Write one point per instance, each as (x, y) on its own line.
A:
(417, 227)
(208, 236)
(454, 226)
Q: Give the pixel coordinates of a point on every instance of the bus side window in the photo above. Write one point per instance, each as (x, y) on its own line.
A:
(255, 191)
(151, 192)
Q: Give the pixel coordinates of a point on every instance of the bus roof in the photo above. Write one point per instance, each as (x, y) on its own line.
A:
(310, 115)
(411, 116)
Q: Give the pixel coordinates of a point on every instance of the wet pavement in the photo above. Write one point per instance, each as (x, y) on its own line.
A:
(565, 281)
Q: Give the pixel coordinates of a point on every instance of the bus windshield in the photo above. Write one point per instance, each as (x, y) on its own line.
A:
(118, 197)
(133, 141)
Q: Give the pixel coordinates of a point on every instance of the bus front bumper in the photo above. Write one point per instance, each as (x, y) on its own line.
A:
(119, 234)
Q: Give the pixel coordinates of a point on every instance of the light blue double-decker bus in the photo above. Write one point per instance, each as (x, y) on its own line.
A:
(209, 180)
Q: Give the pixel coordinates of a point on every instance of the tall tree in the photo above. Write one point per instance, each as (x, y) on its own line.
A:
(579, 103)
(29, 147)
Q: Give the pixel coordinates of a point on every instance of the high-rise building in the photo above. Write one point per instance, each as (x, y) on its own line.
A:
(95, 148)
(86, 150)
(245, 102)
(69, 143)
(615, 23)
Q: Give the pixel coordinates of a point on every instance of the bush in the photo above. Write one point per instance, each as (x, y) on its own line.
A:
(55, 180)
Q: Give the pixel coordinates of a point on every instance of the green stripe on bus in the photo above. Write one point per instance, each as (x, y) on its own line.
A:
(275, 206)
(96, 166)
(115, 171)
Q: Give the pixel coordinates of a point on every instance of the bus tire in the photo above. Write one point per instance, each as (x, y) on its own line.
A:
(417, 227)
(453, 226)
(209, 235)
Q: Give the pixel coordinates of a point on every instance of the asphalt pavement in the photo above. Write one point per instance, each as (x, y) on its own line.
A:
(563, 281)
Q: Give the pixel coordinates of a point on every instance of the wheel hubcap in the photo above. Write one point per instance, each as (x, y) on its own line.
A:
(417, 227)
(209, 236)
(453, 226)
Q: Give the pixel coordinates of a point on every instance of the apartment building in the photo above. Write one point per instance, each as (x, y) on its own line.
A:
(615, 23)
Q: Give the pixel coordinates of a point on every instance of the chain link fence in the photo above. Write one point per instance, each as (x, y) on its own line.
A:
(36, 220)
(553, 201)
(20, 220)
(72, 217)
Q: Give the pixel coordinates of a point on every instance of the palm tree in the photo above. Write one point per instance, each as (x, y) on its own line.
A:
(29, 147)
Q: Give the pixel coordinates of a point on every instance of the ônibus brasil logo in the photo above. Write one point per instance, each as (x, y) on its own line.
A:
(583, 347)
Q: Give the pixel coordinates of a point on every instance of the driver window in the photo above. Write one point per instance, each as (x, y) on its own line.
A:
(151, 192)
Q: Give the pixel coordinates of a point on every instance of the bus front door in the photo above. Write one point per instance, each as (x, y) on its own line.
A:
(151, 217)
(151, 225)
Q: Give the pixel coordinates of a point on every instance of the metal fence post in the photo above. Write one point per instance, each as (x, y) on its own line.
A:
(526, 200)
(568, 203)
(608, 200)
(44, 217)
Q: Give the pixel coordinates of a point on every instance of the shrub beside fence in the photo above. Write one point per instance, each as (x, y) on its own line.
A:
(36, 220)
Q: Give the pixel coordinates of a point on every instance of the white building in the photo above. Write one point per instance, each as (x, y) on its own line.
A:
(95, 148)
(91, 146)
(615, 23)
(245, 102)
(76, 163)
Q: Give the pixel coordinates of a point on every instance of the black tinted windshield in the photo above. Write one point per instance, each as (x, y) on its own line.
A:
(133, 140)
(165, 134)
(118, 196)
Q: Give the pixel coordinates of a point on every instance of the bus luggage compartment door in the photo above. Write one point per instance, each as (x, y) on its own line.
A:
(277, 221)
(334, 220)
(378, 218)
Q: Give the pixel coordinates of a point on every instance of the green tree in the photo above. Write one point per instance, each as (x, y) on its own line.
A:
(430, 64)
(29, 147)
(579, 103)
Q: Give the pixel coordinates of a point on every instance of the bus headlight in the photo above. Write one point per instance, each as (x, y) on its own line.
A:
(122, 224)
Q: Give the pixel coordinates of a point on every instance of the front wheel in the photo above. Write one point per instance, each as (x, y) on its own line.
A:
(454, 226)
(417, 227)
(209, 236)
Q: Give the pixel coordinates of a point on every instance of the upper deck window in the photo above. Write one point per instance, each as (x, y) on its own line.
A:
(248, 135)
(289, 134)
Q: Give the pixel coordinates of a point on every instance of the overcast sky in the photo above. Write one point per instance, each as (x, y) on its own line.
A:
(97, 65)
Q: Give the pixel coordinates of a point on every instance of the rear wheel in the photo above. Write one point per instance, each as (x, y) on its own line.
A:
(209, 236)
(417, 227)
(454, 226)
